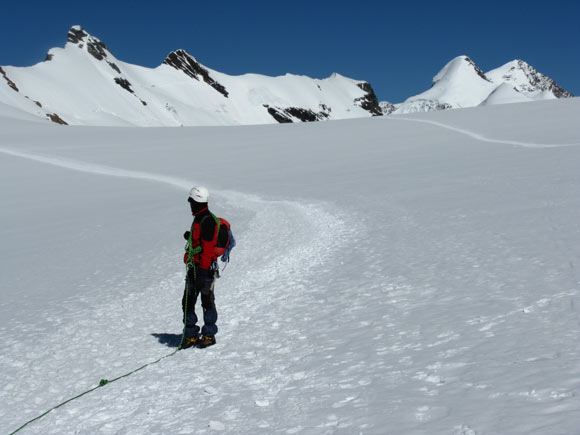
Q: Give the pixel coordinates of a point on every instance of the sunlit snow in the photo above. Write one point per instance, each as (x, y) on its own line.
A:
(406, 275)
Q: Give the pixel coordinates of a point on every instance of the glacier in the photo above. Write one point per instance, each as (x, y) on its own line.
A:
(413, 274)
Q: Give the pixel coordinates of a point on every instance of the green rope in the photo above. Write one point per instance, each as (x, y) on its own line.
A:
(104, 382)
(217, 223)
(191, 251)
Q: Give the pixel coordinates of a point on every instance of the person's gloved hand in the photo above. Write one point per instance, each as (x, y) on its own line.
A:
(186, 235)
(226, 256)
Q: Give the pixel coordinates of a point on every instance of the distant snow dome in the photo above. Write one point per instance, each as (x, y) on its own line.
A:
(461, 83)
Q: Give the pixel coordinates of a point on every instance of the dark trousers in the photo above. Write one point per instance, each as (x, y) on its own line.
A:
(199, 281)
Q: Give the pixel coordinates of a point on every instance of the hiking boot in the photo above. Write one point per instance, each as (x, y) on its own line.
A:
(189, 342)
(205, 341)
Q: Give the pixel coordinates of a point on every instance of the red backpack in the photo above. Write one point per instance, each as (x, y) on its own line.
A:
(223, 242)
(224, 236)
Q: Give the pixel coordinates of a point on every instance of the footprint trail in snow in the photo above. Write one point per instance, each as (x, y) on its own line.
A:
(258, 334)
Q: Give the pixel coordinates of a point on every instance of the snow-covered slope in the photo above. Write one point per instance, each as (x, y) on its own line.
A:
(505, 94)
(461, 83)
(85, 84)
(412, 275)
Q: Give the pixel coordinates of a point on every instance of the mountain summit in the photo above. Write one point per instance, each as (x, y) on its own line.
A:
(94, 46)
(85, 84)
(461, 83)
(526, 79)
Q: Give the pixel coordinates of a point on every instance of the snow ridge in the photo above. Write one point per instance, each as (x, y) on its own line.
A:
(84, 84)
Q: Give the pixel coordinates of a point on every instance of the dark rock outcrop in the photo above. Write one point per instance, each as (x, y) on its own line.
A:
(289, 114)
(114, 66)
(537, 81)
(560, 92)
(124, 83)
(302, 114)
(76, 35)
(182, 61)
(477, 69)
(369, 102)
(10, 82)
(95, 47)
(278, 115)
(56, 119)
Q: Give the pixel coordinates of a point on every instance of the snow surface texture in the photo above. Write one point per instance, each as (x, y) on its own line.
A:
(85, 84)
(392, 276)
(461, 83)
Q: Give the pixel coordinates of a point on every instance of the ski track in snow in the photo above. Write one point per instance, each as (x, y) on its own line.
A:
(74, 350)
(481, 137)
(93, 168)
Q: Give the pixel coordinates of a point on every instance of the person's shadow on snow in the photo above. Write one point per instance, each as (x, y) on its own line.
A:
(170, 340)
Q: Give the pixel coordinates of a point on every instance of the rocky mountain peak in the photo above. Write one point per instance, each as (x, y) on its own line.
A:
(77, 35)
(94, 46)
(525, 78)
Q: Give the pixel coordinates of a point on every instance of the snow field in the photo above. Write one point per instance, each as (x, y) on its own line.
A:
(420, 279)
(307, 232)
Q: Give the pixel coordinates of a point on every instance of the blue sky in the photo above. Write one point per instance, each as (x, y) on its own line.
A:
(397, 46)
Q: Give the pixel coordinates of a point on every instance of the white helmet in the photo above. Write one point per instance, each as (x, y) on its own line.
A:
(199, 194)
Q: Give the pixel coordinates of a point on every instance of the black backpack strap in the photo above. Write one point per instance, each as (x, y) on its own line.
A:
(203, 219)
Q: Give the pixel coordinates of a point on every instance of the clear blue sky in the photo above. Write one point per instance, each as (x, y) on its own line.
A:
(397, 46)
